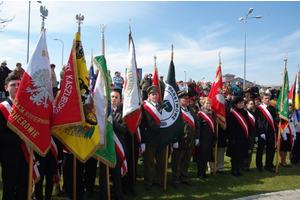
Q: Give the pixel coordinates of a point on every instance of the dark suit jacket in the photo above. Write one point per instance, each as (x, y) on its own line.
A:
(150, 129)
(263, 125)
(10, 143)
(119, 127)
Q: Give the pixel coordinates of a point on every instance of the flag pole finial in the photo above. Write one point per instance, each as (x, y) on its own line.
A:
(102, 30)
(299, 67)
(172, 47)
(219, 56)
(79, 19)
(155, 60)
(129, 29)
(44, 14)
(285, 58)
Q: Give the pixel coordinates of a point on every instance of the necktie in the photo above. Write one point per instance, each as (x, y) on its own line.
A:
(267, 107)
(113, 112)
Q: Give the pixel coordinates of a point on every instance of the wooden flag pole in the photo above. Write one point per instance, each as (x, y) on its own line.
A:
(216, 150)
(133, 165)
(166, 167)
(30, 174)
(74, 177)
(107, 182)
(278, 146)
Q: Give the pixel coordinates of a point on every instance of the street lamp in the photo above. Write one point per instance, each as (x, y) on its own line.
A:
(62, 51)
(29, 29)
(245, 20)
(184, 76)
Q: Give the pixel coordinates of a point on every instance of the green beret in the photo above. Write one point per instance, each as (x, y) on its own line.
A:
(181, 94)
(152, 88)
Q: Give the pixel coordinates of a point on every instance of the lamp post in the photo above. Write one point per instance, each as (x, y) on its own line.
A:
(62, 51)
(245, 20)
(184, 76)
(29, 29)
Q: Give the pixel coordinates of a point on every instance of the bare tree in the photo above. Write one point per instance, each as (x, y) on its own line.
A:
(4, 22)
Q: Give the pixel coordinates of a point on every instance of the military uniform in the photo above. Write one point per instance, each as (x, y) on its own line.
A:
(183, 146)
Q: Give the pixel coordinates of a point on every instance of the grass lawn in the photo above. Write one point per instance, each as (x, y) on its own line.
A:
(216, 187)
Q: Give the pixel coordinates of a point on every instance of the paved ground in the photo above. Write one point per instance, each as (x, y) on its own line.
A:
(286, 195)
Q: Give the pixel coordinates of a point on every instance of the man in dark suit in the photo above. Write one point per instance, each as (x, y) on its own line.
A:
(266, 129)
(13, 162)
(119, 129)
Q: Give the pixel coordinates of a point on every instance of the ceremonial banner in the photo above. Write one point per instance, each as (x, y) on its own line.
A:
(33, 106)
(296, 98)
(80, 139)
(132, 102)
(106, 152)
(171, 120)
(156, 83)
(282, 106)
(217, 98)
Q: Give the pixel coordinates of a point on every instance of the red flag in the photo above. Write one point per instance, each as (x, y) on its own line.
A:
(217, 98)
(33, 107)
(156, 83)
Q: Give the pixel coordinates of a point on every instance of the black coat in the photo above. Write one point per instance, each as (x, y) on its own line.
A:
(10, 143)
(207, 140)
(119, 127)
(238, 140)
(263, 126)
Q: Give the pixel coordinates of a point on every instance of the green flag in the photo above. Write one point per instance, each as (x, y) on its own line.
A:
(172, 121)
(106, 152)
(282, 106)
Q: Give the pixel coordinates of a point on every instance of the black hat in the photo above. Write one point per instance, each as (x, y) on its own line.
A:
(152, 88)
(182, 93)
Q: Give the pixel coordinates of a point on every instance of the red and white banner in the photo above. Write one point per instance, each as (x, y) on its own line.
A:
(153, 111)
(189, 118)
(132, 114)
(217, 98)
(33, 106)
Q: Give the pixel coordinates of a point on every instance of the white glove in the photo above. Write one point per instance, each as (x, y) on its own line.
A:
(284, 137)
(256, 139)
(196, 142)
(263, 136)
(175, 145)
(143, 147)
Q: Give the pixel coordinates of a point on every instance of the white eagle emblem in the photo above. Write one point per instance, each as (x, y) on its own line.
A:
(43, 88)
(220, 96)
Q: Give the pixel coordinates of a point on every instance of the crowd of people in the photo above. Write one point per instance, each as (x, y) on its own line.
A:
(250, 115)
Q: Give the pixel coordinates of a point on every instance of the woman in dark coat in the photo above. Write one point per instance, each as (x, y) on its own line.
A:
(239, 131)
(204, 153)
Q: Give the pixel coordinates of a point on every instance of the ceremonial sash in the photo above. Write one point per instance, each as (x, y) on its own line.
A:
(188, 117)
(153, 111)
(138, 136)
(121, 152)
(268, 115)
(251, 118)
(209, 120)
(242, 121)
(5, 108)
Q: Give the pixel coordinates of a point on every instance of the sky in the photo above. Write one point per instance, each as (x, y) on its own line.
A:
(198, 30)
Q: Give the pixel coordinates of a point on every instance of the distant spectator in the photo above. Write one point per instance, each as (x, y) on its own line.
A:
(206, 88)
(247, 91)
(229, 88)
(18, 71)
(118, 82)
(237, 90)
(261, 91)
(162, 87)
(191, 87)
(145, 84)
(182, 87)
(4, 71)
(54, 80)
(273, 93)
(254, 91)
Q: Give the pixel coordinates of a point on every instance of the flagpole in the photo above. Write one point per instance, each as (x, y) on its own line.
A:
(166, 167)
(216, 149)
(281, 108)
(133, 164)
(30, 174)
(102, 30)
